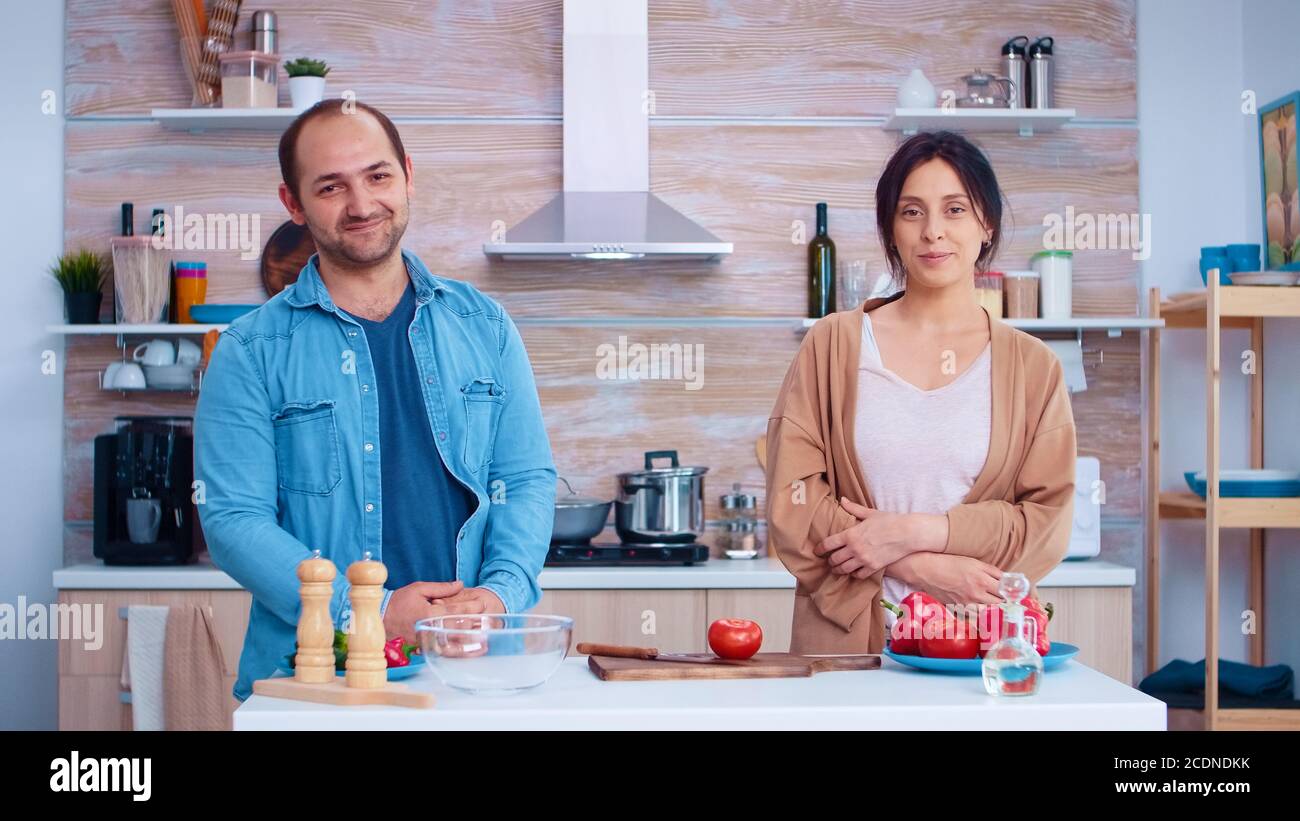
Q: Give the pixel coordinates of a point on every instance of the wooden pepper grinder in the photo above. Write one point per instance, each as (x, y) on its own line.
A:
(314, 663)
(366, 666)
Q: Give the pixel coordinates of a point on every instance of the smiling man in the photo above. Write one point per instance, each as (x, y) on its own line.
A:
(371, 407)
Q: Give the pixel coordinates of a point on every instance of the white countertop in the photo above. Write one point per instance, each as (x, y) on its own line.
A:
(766, 572)
(895, 697)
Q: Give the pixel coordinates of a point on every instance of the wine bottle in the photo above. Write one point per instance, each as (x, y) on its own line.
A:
(821, 269)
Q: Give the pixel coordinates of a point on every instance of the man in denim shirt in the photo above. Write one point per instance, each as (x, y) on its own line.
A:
(371, 407)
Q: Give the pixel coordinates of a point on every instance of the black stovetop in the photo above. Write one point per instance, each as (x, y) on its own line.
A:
(626, 555)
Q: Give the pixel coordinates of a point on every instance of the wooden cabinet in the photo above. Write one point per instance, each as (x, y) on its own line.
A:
(676, 620)
(90, 691)
(670, 619)
(1097, 619)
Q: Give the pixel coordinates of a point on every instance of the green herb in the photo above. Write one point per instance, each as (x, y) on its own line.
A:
(306, 67)
(80, 272)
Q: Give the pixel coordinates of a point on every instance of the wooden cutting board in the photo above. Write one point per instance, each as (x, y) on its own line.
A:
(286, 252)
(762, 665)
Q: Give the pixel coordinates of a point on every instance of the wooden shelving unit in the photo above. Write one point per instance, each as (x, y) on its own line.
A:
(1212, 310)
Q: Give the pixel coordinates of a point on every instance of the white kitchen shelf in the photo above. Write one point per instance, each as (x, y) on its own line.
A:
(231, 119)
(1024, 121)
(132, 330)
(1113, 325)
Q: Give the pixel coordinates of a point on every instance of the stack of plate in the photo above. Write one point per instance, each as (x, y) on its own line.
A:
(1255, 483)
(1264, 277)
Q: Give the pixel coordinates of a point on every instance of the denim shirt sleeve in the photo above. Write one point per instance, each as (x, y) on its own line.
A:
(234, 454)
(520, 486)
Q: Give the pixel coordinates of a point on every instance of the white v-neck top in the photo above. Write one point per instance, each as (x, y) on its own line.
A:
(919, 451)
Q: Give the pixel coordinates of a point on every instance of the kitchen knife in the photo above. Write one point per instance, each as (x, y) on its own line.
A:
(649, 654)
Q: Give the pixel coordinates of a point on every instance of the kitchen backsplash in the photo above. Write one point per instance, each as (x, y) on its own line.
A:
(736, 144)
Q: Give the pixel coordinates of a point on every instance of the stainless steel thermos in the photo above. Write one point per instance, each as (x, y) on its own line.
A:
(1041, 73)
(1014, 69)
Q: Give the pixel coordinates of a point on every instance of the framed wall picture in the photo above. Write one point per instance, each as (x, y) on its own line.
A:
(1279, 184)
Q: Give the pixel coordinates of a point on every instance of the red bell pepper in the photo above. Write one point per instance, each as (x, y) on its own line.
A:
(990, 624)
(395, 652)
(949, 637)
(913, 612)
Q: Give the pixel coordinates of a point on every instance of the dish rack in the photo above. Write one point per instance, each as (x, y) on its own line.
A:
(1212, 310)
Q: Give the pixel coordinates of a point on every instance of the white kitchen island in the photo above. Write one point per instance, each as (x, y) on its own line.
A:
(895, 697)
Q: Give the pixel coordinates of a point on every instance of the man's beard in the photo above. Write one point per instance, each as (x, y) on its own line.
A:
(339, 247)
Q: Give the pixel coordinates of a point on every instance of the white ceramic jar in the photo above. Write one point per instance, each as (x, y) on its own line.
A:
(1055, 283)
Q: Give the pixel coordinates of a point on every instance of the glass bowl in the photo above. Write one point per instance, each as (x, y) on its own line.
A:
(494, 654)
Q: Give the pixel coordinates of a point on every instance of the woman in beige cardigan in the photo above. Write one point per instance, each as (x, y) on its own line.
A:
(939, 216)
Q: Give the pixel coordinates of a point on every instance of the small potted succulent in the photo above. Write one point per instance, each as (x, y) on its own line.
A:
(306, 81)
(81, 275)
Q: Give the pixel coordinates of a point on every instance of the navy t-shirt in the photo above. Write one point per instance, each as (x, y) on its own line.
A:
(423, 505)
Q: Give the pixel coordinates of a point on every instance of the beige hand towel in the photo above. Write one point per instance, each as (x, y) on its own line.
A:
(196, 696)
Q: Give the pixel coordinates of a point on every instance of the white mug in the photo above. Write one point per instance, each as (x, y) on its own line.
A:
(142, 519)
(110, 373)
(187, 353)
(128, 377)
(156, 352)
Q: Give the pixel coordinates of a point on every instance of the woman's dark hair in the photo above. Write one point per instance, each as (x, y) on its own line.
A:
(974, 171)
(289, 140)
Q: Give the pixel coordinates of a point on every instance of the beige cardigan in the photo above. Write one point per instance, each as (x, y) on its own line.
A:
(1017, 516)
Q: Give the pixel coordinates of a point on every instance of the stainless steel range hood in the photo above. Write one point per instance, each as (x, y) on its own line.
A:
(606, 210)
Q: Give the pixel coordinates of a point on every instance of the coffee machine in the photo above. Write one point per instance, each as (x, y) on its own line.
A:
(144, 471)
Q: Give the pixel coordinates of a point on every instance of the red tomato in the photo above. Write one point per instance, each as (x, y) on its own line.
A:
(735, 638)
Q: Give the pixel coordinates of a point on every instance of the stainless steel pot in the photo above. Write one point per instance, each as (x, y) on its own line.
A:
(578, 519)
(660, 505)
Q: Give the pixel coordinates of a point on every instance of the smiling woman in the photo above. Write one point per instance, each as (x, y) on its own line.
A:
(918, 442)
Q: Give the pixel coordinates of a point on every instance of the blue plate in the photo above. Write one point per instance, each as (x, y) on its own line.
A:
(218, 314)
(1058, 654)
(394, 673)
(1249, 483)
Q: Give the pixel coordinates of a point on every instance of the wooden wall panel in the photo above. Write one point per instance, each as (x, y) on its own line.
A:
(846, 57)
(748, 184)
(599, 427)
(745, 179)
(767, 58)
(488, 57)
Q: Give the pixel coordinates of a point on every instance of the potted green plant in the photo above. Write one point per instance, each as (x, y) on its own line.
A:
(306, 81)
(81, 274)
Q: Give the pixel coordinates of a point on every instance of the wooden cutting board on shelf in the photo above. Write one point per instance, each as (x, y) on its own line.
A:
(761, 665)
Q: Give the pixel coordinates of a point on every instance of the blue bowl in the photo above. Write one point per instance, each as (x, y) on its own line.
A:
(1254, 484)
(394, 673)
(1244, 257)
(1059, 653)
(218, 314)
(1222, 263)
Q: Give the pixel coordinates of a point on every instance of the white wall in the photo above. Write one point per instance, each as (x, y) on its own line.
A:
(1199, 179)
(1271, 68)
(31, 413)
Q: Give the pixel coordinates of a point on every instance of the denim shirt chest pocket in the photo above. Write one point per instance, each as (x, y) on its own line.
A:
(307, 447)
(484, 398)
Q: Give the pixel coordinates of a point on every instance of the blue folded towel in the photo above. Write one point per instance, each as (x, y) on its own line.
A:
(1178, 676)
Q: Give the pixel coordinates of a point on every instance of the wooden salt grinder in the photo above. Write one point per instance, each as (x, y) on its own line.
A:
(314, 663)
(366, 666)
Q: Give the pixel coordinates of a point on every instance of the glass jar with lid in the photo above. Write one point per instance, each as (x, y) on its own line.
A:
(739, 537)
(249, 79)
(988, 290)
